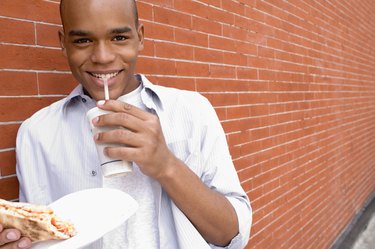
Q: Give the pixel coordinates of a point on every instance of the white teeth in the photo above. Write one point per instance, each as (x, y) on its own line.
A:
(105, 76)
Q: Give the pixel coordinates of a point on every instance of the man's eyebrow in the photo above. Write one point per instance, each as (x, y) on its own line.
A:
(79, 33)
(87, 33)
(121, 30)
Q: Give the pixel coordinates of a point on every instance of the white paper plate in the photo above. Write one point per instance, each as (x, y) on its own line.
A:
(94, 212)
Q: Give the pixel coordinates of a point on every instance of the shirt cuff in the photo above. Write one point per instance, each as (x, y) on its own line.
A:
(236, 243)
(244, 216)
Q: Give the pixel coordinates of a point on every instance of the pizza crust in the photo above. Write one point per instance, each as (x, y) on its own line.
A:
(33, 221)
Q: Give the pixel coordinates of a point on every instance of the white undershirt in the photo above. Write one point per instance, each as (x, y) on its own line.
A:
(140, 231)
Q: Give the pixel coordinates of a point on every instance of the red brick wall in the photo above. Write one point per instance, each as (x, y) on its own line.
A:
(292, 81)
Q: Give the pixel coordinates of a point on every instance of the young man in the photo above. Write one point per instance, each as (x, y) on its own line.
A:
(184, 180)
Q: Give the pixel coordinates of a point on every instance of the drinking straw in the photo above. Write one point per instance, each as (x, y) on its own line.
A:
(106, 92)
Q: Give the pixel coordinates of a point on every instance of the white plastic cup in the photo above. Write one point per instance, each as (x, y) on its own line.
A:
(110, 166)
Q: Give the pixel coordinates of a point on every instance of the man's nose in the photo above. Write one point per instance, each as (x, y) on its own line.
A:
(102, 53)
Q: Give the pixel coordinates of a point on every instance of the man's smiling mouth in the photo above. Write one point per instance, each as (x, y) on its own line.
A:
(103, 76)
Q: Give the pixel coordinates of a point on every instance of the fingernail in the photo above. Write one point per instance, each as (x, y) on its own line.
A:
(11, 236)
(23, 244)
(96, 136)
(101, 102)
(95, 120)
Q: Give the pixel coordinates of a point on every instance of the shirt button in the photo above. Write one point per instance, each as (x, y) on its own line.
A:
(93, 173)
(84, 100)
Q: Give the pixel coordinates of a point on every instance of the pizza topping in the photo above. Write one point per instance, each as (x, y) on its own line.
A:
(63, 226)
(35, 214)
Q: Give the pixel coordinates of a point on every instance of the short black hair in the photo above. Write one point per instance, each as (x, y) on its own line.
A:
(134, 7)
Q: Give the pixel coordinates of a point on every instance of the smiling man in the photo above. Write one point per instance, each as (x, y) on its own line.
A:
(184, 180)
(99, 41)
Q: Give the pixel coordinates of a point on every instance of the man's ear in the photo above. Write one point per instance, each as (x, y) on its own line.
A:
(62, 41)
(141, 35)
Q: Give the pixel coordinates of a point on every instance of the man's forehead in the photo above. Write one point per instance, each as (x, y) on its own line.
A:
(68, 7)
(70, 3)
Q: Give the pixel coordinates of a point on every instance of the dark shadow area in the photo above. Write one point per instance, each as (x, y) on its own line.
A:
(356, 227)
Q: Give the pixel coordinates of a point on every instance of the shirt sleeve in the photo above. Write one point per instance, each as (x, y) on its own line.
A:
(30, 176)
(220, 173)
(22, 142)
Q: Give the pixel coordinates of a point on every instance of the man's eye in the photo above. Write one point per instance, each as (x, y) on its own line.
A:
(81, 41)
(120, 38)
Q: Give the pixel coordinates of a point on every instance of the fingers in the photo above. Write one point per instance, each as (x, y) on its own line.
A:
(137, 133)
(124, 115)
(9, 235)
(119, 106)
(11, 239)
(120, 136)
(120, 119)
(142, 136)
(23, 243)
(126, 153)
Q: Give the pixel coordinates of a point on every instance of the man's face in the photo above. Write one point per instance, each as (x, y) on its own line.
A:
(100, 39)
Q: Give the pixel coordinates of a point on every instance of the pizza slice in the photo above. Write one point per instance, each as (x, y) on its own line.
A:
(34, 221)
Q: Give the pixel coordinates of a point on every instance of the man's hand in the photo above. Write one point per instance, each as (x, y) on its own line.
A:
(11, 239)
(143, 137)
(210, 212)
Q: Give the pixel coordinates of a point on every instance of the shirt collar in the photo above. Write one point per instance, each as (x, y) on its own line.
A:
(77, 91)
(151, 94)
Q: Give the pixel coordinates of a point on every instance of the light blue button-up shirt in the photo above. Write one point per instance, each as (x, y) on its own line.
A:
(56, 155)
